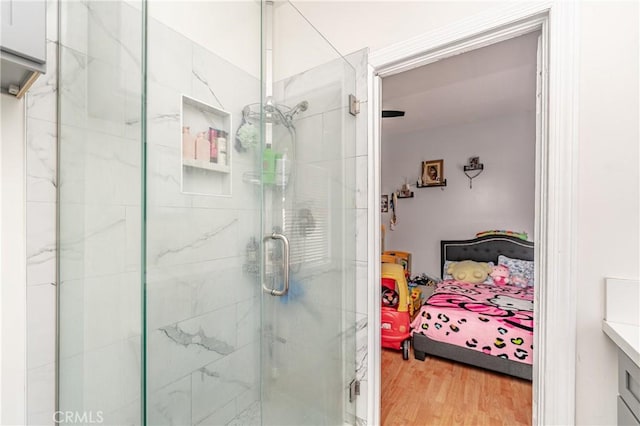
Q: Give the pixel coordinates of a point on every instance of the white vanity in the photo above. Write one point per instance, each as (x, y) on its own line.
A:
(622, 325)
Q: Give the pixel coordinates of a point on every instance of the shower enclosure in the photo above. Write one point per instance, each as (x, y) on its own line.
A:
(206, 216)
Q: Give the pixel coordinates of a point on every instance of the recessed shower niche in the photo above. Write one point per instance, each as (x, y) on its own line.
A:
(206, 148)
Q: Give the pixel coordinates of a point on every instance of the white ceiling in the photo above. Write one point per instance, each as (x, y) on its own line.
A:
(487, 82)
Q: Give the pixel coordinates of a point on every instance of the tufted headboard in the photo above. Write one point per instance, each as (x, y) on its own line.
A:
(485, 249)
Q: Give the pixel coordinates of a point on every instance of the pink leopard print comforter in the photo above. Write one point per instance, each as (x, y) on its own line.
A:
(495, 320)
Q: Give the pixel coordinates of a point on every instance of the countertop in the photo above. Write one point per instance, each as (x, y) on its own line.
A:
(626, 336)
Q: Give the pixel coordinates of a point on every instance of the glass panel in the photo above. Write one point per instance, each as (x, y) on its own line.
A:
(308, 335)
(202, 283)
(214, 348)
(99, 212)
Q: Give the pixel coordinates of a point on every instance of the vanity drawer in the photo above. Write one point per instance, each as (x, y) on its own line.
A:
(629, 385)
(625, 418)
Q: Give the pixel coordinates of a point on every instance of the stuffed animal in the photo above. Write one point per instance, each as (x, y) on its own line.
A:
(469, 271)
(518, 280)
(500, 275)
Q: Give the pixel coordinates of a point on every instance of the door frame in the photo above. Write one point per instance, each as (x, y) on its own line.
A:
(555, 186)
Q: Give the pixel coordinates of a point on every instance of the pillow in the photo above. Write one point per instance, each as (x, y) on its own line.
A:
(518, 268)
(446, 276)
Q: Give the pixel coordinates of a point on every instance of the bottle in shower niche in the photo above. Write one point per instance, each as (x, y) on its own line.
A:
(222, 147)
(203, 147)
(188, 144)
(213, 152)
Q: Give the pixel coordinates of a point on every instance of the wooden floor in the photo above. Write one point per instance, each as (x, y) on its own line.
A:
(441, 392)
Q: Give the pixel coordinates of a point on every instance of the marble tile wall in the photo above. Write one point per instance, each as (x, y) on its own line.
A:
(203, 311)
(195, 281)
(41, 187)
(99, 193)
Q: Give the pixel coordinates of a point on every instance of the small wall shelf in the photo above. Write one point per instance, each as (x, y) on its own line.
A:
(206, 148)
(433, 185)
(473, 172)
(405, 196)
(207, 166)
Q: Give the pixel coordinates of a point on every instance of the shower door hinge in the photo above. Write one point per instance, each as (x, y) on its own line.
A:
(354, 390)
(354, 105)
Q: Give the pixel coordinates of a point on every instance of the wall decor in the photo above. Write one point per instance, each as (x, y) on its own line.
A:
(405, 191)
(384, 203)
(473, 169)
(432, 173)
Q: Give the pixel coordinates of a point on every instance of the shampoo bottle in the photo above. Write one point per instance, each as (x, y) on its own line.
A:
(222, 147)
(188, 144)
(203, 148)
(213, 151)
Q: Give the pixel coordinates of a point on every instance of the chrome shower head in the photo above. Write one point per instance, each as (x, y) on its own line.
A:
(300, 107)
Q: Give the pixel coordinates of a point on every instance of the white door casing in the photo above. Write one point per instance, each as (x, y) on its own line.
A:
(556, 178)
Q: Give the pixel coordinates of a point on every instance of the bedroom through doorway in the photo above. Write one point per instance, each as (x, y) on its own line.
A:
(473, 111)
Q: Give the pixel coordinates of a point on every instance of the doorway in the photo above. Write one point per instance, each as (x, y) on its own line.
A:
(479, 104)
(555, 182)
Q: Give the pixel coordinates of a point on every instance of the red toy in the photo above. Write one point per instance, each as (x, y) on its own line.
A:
(395, 332)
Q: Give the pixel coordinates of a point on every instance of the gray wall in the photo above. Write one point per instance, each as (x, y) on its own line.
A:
(502, 197)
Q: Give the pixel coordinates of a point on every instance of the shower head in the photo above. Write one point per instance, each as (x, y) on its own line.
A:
(300, 107)
(274, 113)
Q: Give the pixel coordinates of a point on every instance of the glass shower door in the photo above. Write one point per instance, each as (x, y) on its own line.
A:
(226, 168)
(308, 333)
(180, 182)
(203, 208)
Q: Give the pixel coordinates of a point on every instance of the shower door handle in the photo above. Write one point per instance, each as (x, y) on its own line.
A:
(285, 264)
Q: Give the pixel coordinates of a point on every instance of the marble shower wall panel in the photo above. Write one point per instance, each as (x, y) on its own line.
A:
(104, 296)
(202, 310)
(179, 349)
(41, 315)
(41, 159)
(107, 385)
(188, 290)
(41, 98)
(94, 242)
(101, 63)
(170, 58)
(216, 384)
(41, 243)
(40, 394)
(178, 235)
(171, 404)
(100, 205)
(320, 86)
(72, 88)
(41, 189)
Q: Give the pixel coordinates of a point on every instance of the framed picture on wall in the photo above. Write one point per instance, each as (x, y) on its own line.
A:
(384, 203)
(432, 172)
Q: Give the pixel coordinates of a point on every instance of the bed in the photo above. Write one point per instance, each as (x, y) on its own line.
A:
(501, 314)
